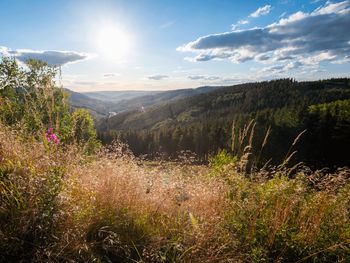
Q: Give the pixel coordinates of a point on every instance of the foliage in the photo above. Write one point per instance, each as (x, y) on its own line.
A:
(83, 129)
(220, 160)
(31, 102)
(328, 127)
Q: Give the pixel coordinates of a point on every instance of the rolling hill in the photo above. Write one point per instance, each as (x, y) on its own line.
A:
(116, 96)
(228, 101)
(98, 108)
(201, 122)
(100, 103)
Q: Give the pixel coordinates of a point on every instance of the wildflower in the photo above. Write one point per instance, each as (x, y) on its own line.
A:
(51, 136)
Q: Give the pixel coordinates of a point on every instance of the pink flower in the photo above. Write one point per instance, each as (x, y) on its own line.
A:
(51, 136)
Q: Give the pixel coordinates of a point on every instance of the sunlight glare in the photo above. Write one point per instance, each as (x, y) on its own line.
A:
(112, 41)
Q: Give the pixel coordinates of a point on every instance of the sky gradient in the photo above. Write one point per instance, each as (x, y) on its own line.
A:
(162, 45)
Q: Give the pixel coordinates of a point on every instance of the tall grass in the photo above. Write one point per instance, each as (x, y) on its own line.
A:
(59, 205)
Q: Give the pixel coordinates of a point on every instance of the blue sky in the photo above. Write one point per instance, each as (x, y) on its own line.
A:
(160, 45)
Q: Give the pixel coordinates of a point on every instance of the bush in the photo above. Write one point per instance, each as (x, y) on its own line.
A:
(219, 162)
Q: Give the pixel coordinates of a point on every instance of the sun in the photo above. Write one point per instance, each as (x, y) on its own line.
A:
(112, 41)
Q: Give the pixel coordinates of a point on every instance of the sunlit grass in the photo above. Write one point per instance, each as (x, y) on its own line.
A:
(62, 206)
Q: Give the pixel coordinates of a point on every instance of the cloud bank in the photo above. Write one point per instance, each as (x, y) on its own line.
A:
(52, 57)
(301, 39)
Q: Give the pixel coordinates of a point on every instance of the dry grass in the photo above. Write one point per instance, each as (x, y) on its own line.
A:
(58, 205)
(169, 203)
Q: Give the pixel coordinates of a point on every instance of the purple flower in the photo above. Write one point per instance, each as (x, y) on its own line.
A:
(51, 136)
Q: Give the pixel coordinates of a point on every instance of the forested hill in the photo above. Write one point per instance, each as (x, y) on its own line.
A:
(202, 123)
(101, 103)
(158, 98)
(96, 107)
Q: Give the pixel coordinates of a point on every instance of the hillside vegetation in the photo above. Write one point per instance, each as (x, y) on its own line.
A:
(203, 123)
(64, 198)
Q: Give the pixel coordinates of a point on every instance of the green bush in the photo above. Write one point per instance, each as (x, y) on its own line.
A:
(219, 161)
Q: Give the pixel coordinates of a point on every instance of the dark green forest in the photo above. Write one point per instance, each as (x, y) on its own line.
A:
(202, 123)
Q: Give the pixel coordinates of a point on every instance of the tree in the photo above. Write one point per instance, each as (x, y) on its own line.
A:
(83, 129)
(31, 101)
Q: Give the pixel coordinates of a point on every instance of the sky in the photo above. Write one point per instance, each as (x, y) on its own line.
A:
(164, 45)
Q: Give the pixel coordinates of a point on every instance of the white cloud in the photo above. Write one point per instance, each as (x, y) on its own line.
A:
(157, 77)
(308, 38)
(261, 11)
(52, 57)
(330, 8)
(240, 22)
(243, 22)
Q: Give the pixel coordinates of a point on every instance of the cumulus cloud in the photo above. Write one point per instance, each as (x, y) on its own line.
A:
(52, 57)
(309, 38)
(158, 77)
(261, 11)
(282, 68)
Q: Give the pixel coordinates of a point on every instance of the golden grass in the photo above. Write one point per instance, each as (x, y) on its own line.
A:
(59, 205)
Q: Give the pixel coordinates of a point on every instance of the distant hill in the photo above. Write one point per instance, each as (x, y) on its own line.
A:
(159, 98)
(226, 101)
(100, 103)
(115, 96)
(98, 108)
(201, 121)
